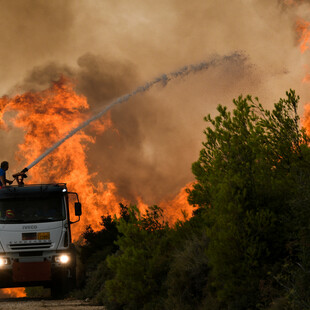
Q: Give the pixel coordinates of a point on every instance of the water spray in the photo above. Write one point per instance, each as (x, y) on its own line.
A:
(164, 79)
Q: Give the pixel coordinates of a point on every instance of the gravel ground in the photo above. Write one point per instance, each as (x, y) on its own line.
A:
(47, 304)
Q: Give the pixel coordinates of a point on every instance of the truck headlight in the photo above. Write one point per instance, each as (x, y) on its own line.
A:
(62, 259)
(3, 261)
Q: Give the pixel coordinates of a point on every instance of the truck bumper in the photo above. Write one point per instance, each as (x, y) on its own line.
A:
(31, 271)
(26, 274)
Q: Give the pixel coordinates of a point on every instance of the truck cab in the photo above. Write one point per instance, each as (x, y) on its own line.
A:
(36, 248)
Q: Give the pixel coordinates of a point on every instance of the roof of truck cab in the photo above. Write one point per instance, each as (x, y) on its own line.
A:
(32, 189)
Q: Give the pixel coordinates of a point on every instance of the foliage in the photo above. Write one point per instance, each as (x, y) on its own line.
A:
(96, 246)
(188, 274)
(37, 292)
(245, 182)
(247, 245)
(294, 276)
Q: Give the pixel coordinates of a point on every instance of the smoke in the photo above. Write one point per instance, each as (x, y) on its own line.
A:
(32, 32)
(163, 80)
(109, 48)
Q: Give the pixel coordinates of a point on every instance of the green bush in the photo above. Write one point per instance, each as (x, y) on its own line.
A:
(188, 275)
(247, 245)
(246, 179)
(93, 249)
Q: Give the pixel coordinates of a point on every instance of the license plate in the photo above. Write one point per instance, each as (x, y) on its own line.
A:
(43, 236)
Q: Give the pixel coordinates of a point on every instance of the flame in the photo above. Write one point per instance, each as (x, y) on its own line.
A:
(47, 116)
(3, 103)
(141, 205)
(302, 28)
(16, 292)
(177, 208)
(305, 120)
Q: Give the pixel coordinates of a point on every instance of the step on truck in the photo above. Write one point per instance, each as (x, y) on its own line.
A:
(36, 247)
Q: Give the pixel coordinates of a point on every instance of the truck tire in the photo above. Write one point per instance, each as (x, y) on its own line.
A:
(57, 291)
(63, 283)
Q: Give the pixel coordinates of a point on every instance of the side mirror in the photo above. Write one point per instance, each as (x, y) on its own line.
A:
(78, 209)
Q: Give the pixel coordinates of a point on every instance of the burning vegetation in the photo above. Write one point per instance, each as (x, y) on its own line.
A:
(242, 247)
(44, 117)
(48, 115)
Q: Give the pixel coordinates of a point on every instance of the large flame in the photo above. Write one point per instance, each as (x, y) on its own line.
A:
(47, 116)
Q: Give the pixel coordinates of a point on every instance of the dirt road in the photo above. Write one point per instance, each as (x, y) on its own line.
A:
(46, 304)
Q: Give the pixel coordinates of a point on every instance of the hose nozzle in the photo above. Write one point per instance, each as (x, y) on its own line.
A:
(24, 170)
(20, 176)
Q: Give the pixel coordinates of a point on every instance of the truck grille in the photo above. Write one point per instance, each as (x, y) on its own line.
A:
(31, 246)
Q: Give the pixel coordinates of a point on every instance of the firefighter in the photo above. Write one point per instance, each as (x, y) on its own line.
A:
(3, 168)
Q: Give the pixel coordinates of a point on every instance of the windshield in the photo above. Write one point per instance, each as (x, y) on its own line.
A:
(32, 209)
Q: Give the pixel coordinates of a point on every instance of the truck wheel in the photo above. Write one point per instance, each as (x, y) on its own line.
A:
(63, 284)
(71, 280)
(57, 291)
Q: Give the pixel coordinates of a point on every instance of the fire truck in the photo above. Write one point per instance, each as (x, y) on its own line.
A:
(36, 248)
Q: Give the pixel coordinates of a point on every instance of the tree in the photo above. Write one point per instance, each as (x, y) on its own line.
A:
(187, 278)
(246, 180)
